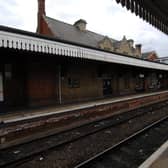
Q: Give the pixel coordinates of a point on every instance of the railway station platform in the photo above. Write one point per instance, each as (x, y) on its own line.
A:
(158, 159)
(26, 125)
(27, 114)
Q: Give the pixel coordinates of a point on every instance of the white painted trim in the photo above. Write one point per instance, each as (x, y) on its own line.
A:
(25, 42)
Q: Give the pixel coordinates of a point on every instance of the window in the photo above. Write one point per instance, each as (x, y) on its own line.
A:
(69, 82)
(126, 53)
(140, 82)
(73, 83)
(153, 81)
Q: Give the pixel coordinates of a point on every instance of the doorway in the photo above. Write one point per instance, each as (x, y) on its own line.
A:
(107, 88)
(14, 78)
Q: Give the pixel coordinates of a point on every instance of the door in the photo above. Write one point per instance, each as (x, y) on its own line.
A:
(42, 84)
(107, 89)
(14, 85)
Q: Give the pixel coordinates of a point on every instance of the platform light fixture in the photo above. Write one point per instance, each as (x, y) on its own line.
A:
(160, 76)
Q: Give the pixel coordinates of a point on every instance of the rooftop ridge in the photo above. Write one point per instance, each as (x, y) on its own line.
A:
(114, 40)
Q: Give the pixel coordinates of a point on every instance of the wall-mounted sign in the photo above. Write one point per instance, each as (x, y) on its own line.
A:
(1, 88)
(73, 83)
(8, 71)
(141, 75)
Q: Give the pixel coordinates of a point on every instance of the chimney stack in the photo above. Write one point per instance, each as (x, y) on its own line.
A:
(138, 49)
(41, 12)
(41, 7)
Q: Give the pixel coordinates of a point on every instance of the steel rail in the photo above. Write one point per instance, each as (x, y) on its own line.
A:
(121, 142)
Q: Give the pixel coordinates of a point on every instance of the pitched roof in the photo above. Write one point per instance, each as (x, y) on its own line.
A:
(146, 54)
(166, 57)
(69, 32)
(162, 60)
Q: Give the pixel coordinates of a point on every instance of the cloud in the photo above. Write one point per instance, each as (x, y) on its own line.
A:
(7, 14)
(105, 17)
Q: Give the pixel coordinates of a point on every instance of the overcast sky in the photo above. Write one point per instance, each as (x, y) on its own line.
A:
(103, 16)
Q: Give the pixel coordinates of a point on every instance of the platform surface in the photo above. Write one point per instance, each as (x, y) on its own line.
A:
(158, 159)
(46, 111)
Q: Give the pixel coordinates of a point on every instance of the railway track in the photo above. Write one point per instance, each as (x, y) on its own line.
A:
(63, 150)
(132, 151)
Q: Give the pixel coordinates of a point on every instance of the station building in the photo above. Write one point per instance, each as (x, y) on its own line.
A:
(64, 63)
(150, 55)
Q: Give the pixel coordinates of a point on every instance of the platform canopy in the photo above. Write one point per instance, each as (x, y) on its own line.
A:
(31, 42)
(154, 12)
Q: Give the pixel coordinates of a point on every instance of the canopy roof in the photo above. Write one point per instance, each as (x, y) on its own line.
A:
(21, 40)
(153, 11)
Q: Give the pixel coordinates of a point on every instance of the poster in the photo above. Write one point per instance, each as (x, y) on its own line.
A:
(1, 88)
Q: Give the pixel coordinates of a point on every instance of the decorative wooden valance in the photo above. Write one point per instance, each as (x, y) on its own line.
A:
(153, 11)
